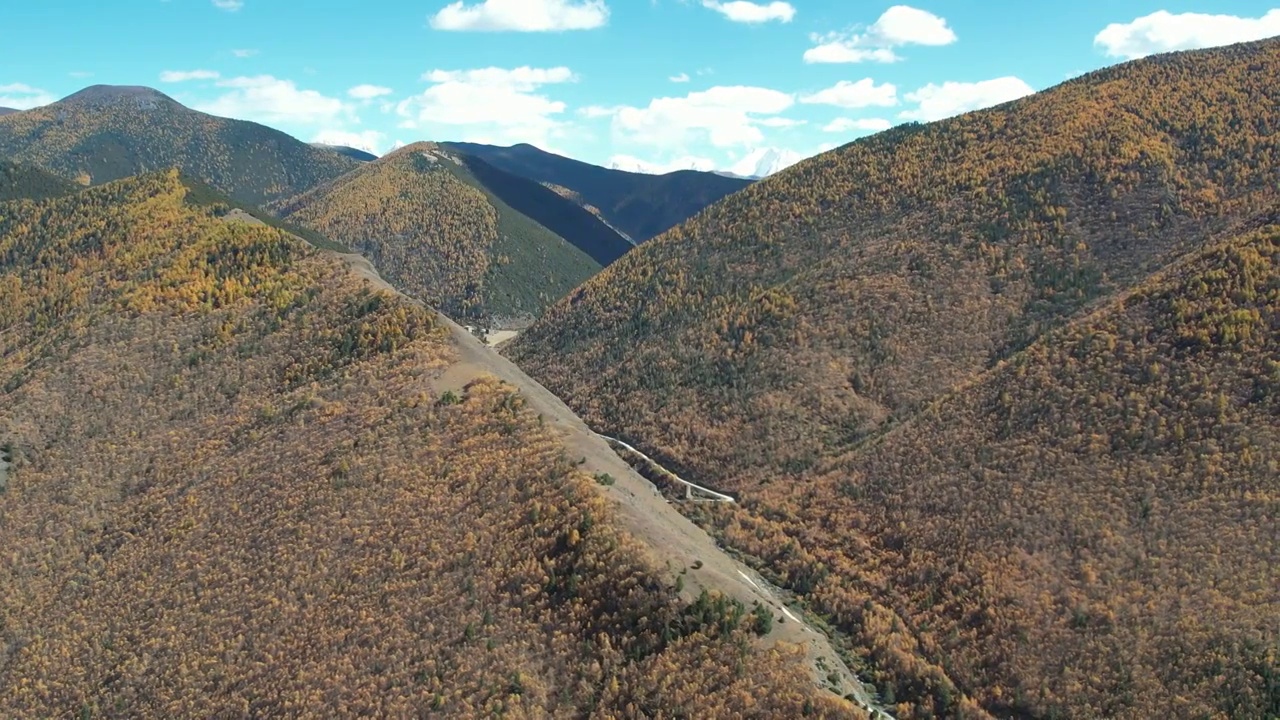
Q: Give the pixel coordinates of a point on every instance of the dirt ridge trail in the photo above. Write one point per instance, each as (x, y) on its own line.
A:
(671, 539)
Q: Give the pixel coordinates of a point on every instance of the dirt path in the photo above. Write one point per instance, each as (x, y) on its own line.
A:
(715, 496)
(672, 540)
(498, 338)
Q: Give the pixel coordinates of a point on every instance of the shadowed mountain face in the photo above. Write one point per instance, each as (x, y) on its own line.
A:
(639, 205)
(7, 111)
(24, 182)
(353, 153)
(104, 133)
(459, 233)
(998, 392)
(549, 209)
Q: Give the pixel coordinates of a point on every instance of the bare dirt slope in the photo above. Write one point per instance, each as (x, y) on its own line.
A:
(672, 539)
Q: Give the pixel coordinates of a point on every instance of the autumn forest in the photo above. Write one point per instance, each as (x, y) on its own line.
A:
(971, 419)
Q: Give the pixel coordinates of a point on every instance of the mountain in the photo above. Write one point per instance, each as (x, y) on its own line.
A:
(638, 205)
(636, 165)
(459, 233)
(243, 480)
(757, 164)
(105, 133)
(763, 162)
(994, 392)
(353, 153)
(19, 181)
(8, 111)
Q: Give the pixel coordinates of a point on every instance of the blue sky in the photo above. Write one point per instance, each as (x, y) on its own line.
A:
(644, 83)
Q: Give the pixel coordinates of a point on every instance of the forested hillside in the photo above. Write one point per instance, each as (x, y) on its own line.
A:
(105, 133)
(1043, 545)
(1051, 537)
(639, 205)
(447, 234)
(18, 181)
(235, 492)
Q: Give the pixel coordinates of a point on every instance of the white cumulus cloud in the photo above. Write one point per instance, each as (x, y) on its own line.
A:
(522, 15)
(503, 105)
(751, 12)
(679, 78)
(725, 116)
(593, 112)
(780, 122)
(20, 96)
(370, 141)
(177, 76)
(1163, 31)
(523, 78)
(899, 25)
(368, 92)
(935, 102)
(271, 100)
(844, 125)
(860, 94)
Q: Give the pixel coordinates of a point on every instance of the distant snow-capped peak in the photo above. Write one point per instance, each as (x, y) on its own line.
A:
(757, 164)
(628, 163)
(763, 162)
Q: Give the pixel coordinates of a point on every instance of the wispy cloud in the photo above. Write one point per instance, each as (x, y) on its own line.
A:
(899, 25)
(522, 15)
(935, 102)
(20, 96)
(742, 11)
(268, 99)
(1163, 31)
(368, 92)
(177, 76)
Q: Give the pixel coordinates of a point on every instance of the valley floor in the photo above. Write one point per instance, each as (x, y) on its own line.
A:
(671, 539)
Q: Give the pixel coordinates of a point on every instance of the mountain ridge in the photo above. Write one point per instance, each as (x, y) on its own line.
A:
(104, 133)
(771, 345)
(353, 153)
(637, 204)
(454, 232)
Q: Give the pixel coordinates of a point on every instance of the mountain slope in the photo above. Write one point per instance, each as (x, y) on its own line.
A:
(236, 491)
(450, 231)
(104, 133)
(7, 111)
(797, 321)
(18, 181)
(353, 153)
(1105, 501)
(639, 205)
